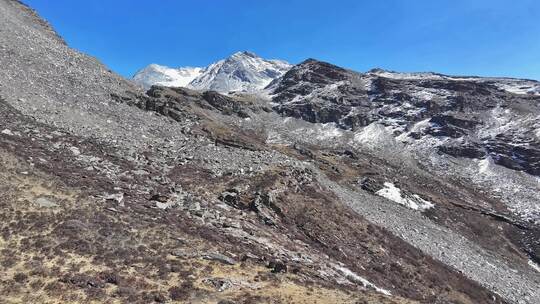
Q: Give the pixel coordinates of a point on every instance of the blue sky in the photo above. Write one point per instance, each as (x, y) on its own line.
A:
(461, 37)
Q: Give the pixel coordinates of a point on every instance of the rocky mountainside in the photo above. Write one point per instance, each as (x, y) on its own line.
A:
(490, 123)
(339, 187)
(242, 71)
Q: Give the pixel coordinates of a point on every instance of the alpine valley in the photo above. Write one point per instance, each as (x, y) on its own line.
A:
(257, 181)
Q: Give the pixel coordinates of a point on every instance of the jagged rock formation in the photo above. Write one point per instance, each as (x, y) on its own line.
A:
(173, 195)
(241, 72)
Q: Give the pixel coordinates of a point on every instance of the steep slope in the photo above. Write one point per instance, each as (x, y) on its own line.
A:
(110, 194)
(161, 75)
(242, 71)
(464, 128)
(44, 78)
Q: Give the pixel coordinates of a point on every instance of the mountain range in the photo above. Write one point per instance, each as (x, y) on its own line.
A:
(257, 181)
(246, 72)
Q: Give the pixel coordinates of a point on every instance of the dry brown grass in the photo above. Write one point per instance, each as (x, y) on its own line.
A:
(37, 267)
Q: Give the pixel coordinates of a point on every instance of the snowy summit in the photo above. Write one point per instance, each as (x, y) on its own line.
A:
(165, 76)
(242, 71)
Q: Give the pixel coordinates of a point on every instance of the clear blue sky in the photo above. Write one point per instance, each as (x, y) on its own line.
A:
(463, 37)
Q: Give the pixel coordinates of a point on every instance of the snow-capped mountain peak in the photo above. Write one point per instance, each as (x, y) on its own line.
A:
(165, 76)
(242, 71)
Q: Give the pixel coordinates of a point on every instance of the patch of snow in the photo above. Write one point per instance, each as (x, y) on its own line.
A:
(353, 276)
(485, 166)
(75, 151)
(374, 135)
(534, 265)
(394, 194)
(164, 206)
(7, 132)
(327, 131)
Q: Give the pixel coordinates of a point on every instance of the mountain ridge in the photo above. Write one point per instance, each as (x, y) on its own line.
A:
(205, 78)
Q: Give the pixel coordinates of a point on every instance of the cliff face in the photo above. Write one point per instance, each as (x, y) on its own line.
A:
(174, 195)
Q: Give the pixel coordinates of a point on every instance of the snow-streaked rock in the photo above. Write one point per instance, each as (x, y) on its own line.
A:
(511, 85)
